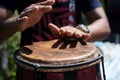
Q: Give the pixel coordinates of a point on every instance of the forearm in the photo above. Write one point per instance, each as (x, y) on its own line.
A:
(99, 30)
(98, 24)
(7, 28)
(26, 19)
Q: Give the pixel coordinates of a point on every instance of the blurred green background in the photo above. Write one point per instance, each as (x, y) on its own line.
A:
(9, 46)
(12, 44)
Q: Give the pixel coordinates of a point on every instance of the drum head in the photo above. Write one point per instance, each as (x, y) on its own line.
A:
(58, 55)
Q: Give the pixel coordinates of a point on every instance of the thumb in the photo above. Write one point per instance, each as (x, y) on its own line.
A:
(54, 29)
(43, 9)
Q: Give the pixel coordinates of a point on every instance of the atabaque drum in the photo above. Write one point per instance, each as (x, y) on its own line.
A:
(58, 60)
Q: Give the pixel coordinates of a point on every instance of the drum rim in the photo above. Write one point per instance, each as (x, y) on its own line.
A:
(58, 68)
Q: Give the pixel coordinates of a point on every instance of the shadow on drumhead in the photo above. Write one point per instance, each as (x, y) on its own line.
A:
(26, 50)
(64, 43)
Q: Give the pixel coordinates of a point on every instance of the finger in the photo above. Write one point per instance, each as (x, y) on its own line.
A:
(44, 9)
(28, 11)
(69, 31)
(78, 34)
(82, 35)
(36, 10)
(62, 31)
(85, 37)
(47, 2)
(54, 29)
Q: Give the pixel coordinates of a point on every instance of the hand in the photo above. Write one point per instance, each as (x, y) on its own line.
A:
(68, 31)
(32, 14)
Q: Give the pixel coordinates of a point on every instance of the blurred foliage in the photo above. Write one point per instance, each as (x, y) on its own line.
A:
(12, 45)
(103, 4)
(1, 77)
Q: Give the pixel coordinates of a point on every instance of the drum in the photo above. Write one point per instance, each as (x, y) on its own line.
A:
(58, 60)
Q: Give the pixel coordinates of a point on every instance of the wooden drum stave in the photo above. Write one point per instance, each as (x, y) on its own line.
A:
(58, 60)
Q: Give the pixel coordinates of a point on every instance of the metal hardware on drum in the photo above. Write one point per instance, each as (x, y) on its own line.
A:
(36, 66)
(40, 61)
(103, 69)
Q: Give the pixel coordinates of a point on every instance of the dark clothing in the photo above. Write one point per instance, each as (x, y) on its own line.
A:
(112, 8)
(40, 31)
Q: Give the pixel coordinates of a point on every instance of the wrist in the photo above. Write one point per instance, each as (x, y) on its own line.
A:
(20, 24)
(11, 23)
(83, 28)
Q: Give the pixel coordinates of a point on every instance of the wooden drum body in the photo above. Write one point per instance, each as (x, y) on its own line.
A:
(57, 60)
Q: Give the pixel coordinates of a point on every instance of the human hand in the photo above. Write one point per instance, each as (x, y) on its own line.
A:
(33, 13)
(68, 31)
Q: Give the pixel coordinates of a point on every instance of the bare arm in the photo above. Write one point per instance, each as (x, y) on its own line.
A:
(6, 27)
(28, 17)
(99, 26)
